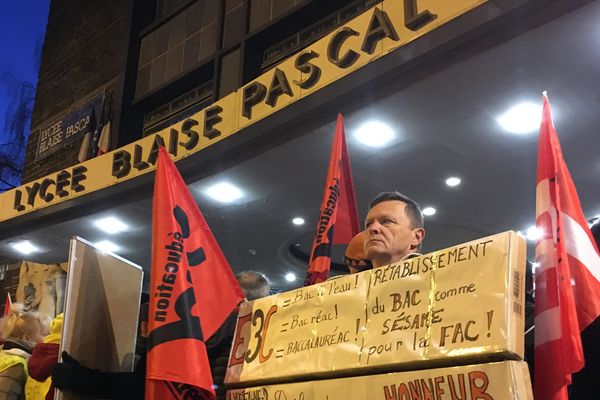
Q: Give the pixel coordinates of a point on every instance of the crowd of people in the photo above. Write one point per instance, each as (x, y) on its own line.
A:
(394, 231)
(29, 358)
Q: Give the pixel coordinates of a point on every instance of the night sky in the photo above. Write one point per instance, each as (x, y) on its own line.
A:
(22, 27)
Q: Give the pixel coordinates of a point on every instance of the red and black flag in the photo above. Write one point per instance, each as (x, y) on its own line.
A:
(338, 218)
(192, 291)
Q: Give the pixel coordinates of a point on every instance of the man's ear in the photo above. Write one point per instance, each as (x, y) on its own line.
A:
(418, 236)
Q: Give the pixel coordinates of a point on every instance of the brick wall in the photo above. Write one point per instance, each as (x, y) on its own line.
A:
(82, 55)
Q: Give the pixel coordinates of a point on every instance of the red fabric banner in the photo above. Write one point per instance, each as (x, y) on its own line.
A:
(567, 296)
(338, 218)
(192, 291)
(7, 305)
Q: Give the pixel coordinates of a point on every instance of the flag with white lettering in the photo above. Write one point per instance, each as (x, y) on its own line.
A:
(567, 292)
(192, 291)
(338, 217)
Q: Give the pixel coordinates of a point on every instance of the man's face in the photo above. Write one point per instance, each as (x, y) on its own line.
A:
(389, 236)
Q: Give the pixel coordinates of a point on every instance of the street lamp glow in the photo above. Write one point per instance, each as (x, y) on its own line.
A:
(224, 192)
(374, 134)
(298, 221)
(25, 247)
(522, 118)
(453, 181)
(429, 211)
(533, 233)
(111, 225)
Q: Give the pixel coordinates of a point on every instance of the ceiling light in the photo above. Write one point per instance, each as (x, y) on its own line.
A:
(25, 247)
(374, 134)
(290, 277)
(522, 118)
(429, 211)
(107, 246)
(533, 233)
(453, 181)
(111, 225)
(224, 192)
(298, 221)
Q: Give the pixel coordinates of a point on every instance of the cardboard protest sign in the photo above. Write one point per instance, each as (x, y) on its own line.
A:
(459, 302)
(459, 305)
(303, 331)
(493, 381)
(101, 309)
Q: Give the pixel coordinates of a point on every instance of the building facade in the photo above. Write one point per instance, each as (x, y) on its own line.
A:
(248, 90)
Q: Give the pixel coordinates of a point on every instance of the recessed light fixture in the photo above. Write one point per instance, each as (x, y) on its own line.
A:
(522, 118)
(374, 134)
(533, 233)
(290, 277)
(429, 211)
(25, 247)
(298, 221)
(111, 225)
(107, 246)
(453, 181)
(224, 192)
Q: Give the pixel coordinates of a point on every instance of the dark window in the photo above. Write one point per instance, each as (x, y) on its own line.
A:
(178, 109)
(230, 73)
(181, 43)
(264, 11)
(235, 22)
(166, 7)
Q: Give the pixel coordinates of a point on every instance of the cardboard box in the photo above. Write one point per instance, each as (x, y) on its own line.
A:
(507, 380)
(464, 304)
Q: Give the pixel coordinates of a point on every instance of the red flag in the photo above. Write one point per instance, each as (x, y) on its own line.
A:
(193, 290)
(7, 305)
(567, 296)
(338, 209)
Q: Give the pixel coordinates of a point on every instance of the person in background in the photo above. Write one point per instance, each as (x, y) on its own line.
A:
(254, 284)
(43, 358)
(354, 256)
(21, 331)
(393, 229)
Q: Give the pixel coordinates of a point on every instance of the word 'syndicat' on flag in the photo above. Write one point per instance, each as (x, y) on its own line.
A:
(567, 297)
(192, 291)
(338, 217)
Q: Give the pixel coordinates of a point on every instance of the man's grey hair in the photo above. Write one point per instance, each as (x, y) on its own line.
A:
(412, 210)
(254, 284)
